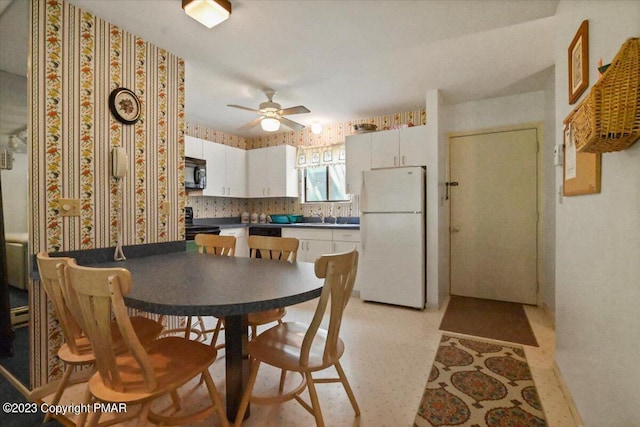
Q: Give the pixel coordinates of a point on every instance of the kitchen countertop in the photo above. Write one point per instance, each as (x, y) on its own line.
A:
(298, 225)
(234, 223)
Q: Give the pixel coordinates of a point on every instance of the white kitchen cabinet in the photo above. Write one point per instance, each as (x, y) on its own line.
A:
(358, 160)
(313, 242)
(240, 233)
(192, 147)
(226, 170)
(272, 172)
(399, 147)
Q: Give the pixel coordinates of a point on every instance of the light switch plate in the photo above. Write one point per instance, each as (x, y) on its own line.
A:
(69, 207)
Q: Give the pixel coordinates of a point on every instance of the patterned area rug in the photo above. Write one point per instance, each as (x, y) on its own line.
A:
(477, 383)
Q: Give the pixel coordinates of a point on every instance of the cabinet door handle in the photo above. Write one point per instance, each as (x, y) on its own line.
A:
(395, 160)
(223, 190)
(403, 160)
(229, 191)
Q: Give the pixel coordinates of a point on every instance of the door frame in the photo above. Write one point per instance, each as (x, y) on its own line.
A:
(539, 128)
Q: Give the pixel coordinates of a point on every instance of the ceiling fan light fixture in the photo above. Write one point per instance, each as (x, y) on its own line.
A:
(270, 124)
(207, 12)
(316, 128)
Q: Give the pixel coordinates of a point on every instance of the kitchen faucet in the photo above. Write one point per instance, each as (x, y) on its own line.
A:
(320, 215)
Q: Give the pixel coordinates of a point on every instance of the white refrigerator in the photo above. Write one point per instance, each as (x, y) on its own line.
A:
(392, 268)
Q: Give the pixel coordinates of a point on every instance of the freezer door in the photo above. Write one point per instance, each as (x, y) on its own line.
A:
(393, 190)
(392, 265)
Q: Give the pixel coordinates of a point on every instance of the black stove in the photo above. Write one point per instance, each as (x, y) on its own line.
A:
(191, 229)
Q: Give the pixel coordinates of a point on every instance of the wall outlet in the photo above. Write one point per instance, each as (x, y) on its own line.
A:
(69, 207)
(165, 208)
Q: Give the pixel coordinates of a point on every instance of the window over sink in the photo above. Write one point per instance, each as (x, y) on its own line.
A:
(325, 184)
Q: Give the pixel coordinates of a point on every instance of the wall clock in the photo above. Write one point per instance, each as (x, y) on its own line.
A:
(124, 105)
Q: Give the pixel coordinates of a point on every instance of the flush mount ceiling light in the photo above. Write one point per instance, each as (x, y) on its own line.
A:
(316, 128)
(207, 12)
(270, 124)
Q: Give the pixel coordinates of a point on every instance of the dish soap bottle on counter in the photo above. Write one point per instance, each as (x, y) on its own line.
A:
(254, 218)
(263, 218)
(244, 217)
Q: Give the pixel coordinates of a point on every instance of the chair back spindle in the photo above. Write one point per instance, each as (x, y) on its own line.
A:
(275, 248)
(100, 293)
(216, 245)
(339, 272)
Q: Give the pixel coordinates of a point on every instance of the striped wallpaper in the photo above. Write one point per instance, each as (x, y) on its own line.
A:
(77, 60)
(80, 60)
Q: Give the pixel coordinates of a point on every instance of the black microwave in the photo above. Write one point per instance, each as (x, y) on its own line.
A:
(195, 173)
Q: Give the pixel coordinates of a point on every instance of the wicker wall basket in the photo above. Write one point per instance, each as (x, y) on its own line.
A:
(608, 119)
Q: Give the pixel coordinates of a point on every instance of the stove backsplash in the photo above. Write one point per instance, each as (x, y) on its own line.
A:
(224, 207)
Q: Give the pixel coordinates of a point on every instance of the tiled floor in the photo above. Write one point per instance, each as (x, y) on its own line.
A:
(389, 351)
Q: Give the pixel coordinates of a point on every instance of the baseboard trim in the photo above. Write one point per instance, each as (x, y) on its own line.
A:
(550, 314)
(567, 396)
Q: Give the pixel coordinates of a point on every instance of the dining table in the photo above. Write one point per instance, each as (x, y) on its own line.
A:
(193, 284)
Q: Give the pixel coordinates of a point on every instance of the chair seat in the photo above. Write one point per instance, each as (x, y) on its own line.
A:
(280, 346)
(83, 356)
(175, 361)
(146, 329)
(267, 316)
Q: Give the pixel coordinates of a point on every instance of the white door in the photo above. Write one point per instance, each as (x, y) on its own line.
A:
(494, 216)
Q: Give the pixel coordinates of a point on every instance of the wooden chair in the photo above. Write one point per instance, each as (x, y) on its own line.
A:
(214, 245)
(140, 375)
(77, 350)
(306, 349)
(283, 249)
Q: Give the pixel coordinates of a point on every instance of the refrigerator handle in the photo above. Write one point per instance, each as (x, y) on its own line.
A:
(362, 194)
(363, 241)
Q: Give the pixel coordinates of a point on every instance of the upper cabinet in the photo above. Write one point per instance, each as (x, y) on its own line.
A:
(272, 172)
(358, 160)
(384, 149)
(399, 147)
(193, 147)
(226, 170)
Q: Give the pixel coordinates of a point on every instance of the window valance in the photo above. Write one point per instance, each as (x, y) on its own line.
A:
(320, 156)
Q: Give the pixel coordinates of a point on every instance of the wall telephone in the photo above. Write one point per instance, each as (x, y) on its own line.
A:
(119, 162)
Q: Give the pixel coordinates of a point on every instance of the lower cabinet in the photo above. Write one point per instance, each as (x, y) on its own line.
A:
(314, 243)
(242, 247)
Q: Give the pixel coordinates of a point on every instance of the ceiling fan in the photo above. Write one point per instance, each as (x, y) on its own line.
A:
(271, 114)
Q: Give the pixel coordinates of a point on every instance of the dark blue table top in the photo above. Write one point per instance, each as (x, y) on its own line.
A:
(189, 283)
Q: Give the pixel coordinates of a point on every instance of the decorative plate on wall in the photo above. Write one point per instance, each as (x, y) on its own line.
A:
(124, 105)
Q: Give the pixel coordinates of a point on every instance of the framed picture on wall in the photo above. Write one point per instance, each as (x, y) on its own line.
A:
(579, 63)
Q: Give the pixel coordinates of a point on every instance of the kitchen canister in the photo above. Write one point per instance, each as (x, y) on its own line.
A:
(254, 218)
(244, 217)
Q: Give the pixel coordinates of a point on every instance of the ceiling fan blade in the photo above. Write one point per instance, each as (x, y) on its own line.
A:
(290, 123)
(294, 110)
(253, 123)
(243, 108)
